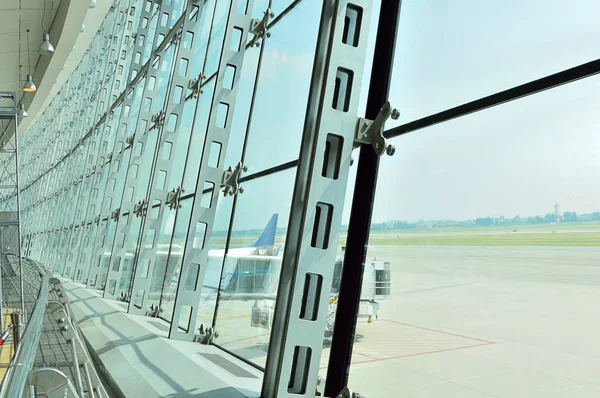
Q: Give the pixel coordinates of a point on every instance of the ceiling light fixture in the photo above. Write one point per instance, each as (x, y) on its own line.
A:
(21, 112)
(46, 48)
(29, 86)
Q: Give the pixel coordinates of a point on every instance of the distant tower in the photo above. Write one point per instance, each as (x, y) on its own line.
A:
(557, 213)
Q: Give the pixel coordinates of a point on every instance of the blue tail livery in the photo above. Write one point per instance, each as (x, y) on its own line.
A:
(267, 237)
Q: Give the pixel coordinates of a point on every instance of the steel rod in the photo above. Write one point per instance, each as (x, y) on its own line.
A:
(362, 206)
(545, 83)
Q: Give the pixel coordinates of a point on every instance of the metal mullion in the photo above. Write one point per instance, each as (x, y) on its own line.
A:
(179, 110)
(296, 340)
(75, 251)
(104, 213)
(81, 259)
(242, 160)
(132, 181)
(89, 250)
(154, 192)
(144, 115)
(102, 68)
(68, 222)
(124, 47)
(109, 76)
(198, 255)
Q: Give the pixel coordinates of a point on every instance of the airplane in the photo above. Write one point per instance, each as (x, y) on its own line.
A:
(250, 274)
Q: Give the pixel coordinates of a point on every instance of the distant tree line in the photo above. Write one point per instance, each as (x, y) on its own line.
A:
(549, 218)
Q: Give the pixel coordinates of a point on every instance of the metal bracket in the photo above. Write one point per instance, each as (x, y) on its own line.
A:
(195, 84)
(205, 336)
(371, 131)
(153, 312)
(129, 140)
(231, 180)
(173, 198)
(97, 220)
(115, 214)
(125, 297)
(158, 119)
(139, 209)
(258, 27)
(347, 393)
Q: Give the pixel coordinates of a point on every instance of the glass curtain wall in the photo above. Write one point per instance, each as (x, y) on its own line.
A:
(114, 182)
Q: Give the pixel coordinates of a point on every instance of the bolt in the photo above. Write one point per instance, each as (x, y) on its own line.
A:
(395, 114)
(390, 150)
(241, 190)
(64, 328)
(61, 320)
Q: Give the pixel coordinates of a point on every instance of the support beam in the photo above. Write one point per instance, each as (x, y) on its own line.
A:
(362, 206)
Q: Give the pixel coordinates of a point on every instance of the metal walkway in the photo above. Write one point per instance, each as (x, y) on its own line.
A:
(60, 353)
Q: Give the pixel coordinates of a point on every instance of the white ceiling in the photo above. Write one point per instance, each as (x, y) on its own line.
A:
(73, 43)
(62, 18)
(32, 12)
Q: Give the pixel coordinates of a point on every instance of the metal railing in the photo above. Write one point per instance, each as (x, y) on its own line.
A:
(21, 365)
(50, 318)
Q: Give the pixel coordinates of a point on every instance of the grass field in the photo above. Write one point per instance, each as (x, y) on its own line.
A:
(580, 226)
(507, 239)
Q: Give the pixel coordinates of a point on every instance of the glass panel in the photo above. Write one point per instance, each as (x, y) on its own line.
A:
(250, 276)
(175, 253)
(489, 229)
(198, 136)
(163, 243)
(127, 263)
(105, 256)
(212, 269)
(278, 115)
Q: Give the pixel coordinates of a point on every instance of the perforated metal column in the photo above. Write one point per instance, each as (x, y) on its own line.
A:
(211, 168)
(170, 137)
(313, 231)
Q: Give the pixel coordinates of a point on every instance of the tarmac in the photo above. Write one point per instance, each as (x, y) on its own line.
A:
(484, 322)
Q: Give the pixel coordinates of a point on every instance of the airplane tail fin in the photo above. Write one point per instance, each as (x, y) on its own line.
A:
(267, 237)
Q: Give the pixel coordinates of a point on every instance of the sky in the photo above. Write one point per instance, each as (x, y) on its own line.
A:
(519, 158)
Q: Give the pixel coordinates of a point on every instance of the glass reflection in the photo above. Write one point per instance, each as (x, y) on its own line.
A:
(162, 244)
(278, 115)
(129, 250)
(212, 270)
(175, 255)
(250, 275)
(105, 256)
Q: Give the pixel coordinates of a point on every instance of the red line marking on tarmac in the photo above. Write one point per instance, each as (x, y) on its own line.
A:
(244, 338)
(438, 331)
(422, 353)
(481, 344)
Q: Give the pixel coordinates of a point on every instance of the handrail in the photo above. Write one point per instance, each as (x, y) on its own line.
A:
(17, 373)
